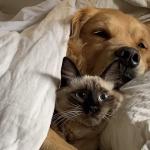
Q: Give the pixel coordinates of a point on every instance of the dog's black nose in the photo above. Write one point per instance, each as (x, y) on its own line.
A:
(128, 56)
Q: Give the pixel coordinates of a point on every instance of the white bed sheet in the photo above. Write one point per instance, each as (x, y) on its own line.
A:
(28, 62)
(32, 45)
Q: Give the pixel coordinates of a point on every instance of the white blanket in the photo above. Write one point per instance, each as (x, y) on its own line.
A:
(32, 45)
(129, 129)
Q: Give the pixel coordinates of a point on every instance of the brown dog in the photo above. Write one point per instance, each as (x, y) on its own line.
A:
(100, 36)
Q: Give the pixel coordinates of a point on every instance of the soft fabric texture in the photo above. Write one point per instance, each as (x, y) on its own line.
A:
(32, 45)
(129, 129)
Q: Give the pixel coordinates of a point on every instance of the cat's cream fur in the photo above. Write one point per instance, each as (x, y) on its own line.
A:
(71, 121)
(83, 132)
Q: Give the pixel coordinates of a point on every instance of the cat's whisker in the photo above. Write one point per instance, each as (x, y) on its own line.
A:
(105, 117)
(75, 105)
(109, 115)
(78, 107)
(70, 115)
(71, 112)
(74, 116)
(61, 122)
(65, 119)
(70, 119)
(61, 118)
(67, 112)
(56, 116)
(58, 121)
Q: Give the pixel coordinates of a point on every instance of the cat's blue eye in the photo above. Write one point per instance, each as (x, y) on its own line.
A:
(103, 97)
(81, 94)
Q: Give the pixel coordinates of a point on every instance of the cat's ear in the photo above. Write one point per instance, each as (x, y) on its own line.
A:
(68, 72)
(112, 75)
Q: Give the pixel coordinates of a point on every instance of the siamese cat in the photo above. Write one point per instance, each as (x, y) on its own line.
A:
(84, 104)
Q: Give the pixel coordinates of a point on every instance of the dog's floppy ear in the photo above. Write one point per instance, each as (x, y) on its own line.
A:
(68, 72)
(79, 19)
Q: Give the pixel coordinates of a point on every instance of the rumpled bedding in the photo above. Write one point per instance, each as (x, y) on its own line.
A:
(32, 45)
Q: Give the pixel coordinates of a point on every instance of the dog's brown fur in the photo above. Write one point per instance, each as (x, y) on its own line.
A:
(92, 54)
(55, 142)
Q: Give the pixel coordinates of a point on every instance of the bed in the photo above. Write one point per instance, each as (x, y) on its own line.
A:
(32, 44)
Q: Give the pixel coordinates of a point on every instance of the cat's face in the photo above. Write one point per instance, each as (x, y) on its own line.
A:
(85, 99)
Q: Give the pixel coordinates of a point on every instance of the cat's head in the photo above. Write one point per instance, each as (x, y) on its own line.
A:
(83, 98)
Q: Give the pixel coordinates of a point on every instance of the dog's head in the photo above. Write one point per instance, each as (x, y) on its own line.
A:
(102, 36)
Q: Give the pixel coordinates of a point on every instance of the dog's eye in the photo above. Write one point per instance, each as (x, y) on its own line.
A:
(141, 45)
(102, 33)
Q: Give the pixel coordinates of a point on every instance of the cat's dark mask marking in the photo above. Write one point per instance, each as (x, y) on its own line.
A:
(90, 99)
